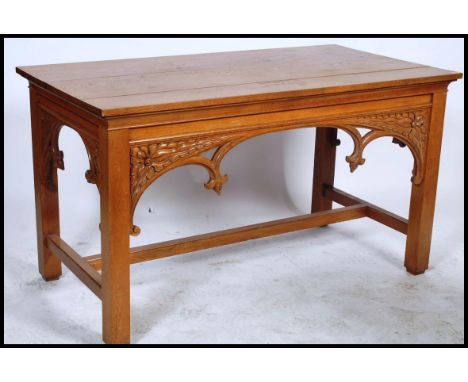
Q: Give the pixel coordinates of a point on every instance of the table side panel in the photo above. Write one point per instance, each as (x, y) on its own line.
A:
(156, 150)
(279, 119)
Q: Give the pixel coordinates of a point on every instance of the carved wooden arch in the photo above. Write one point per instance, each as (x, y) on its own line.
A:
(150, 160)
(54, 156)
(409, 128)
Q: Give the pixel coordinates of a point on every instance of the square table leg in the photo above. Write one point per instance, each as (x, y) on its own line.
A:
(324, 167)
(44, 132)
(114, 161)
(423, 195)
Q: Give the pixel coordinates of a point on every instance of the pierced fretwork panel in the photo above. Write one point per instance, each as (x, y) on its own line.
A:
(150, 160)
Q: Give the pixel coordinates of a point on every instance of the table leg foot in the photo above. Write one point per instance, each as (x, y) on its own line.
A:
(54, 278)
(415, 272)
(423, 195)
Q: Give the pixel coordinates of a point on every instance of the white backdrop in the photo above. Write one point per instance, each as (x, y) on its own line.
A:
(270, 177)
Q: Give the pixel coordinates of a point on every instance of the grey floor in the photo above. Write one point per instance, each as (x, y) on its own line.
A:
(340, 284)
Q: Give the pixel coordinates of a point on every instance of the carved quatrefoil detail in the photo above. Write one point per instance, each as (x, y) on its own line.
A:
(152, 159)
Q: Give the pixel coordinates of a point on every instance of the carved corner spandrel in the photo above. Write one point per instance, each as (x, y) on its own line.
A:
(54, 157)
(92, 174)
(148, 161)
(409, 128)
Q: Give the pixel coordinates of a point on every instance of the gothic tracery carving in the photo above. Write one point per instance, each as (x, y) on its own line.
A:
(54, 156)
(409, 127)
(149, 160)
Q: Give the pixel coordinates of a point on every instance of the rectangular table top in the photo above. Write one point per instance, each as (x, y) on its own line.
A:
(143, 85)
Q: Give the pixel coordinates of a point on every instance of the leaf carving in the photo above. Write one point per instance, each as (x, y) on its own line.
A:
(150, 160)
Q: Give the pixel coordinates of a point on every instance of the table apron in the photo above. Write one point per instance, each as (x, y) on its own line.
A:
(282, 119)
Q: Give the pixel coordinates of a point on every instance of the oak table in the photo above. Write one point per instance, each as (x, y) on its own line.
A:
(140, 118)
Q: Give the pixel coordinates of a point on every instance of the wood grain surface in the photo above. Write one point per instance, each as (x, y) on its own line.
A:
(122, 87)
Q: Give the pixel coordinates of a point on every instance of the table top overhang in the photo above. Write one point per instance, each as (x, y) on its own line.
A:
(145, 85)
